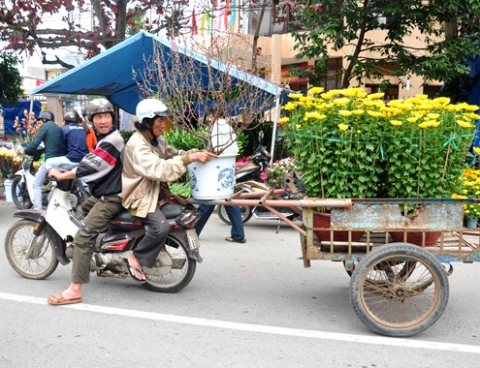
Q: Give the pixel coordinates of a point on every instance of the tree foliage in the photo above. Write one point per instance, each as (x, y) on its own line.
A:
(10, 79)
(449, 29)
(21, 23)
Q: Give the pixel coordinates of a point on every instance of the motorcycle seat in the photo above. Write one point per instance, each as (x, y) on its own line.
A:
(169, 210)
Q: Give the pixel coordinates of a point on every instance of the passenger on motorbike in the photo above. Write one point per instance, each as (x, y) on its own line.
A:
(148, 162)
(102, 171)
(49, 134)
(73, 140)
(91, 137)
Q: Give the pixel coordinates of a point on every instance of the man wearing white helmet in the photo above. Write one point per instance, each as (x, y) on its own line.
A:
(148, 162)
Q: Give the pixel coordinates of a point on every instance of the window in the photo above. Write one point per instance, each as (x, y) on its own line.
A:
(390, 93)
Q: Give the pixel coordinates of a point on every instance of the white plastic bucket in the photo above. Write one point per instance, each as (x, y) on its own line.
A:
(8, 190)
(214, 179)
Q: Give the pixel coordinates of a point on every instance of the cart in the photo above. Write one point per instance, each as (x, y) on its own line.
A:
(397, 288)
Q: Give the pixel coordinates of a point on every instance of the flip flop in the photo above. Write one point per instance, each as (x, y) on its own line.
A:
(132, 275)
(58, 299)
(230, 239)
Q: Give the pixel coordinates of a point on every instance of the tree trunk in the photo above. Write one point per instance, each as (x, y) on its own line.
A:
(256, 36)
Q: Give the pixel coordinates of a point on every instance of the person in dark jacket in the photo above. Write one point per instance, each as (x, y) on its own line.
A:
(102, 171)
(73, 140)
(49, 134)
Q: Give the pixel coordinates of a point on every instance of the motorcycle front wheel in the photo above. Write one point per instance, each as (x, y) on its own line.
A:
(41, 262)
(246, 212)
(173, 269)
(20, 195)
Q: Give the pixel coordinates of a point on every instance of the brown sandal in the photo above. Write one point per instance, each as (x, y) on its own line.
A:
(58, 299)
(230, 239)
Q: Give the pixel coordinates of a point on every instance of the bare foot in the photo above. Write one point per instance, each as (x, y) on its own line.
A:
(73, 291)
(132, 260)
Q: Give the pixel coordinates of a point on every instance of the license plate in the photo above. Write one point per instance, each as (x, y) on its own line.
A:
(193, 240)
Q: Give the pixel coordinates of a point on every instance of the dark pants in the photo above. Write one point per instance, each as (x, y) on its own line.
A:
(99, 213)
(233, 213)
(156, 232)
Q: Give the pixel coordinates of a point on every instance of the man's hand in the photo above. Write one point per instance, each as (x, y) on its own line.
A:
(21, 150)
(59, 175)
(202, 156)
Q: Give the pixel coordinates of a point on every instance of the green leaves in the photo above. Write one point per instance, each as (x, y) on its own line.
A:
(10, 79)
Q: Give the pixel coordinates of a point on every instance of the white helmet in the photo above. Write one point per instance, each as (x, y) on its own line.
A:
(150, 108)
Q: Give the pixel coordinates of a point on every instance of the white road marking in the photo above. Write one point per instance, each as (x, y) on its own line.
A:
(362, 339)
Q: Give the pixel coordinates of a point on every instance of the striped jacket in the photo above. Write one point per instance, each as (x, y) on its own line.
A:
(102, 168)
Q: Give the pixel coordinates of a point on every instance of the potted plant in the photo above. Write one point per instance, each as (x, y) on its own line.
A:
(470, 181)
(9, 163)
(351, 144)
(278, 170)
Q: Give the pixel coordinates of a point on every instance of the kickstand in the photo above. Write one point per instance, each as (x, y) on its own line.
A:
(278, 226)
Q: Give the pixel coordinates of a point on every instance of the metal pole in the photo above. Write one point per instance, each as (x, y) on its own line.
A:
(274, 132)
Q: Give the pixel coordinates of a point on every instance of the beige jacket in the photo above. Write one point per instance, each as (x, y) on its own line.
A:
(144, 167)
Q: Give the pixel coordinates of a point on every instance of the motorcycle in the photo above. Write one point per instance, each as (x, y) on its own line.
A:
(42, 239)
(22, 187)
(248, 179)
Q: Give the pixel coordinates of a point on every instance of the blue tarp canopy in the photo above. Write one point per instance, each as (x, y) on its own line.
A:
(110, 74)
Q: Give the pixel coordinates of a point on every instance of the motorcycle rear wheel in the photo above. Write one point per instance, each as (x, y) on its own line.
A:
(176, 274)
(20, 195)
(42, 262)
(246, 212)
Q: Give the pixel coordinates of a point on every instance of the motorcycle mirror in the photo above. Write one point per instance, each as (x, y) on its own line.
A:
(261, 134)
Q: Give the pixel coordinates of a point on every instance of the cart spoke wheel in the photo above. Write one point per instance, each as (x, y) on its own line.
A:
(399, 290)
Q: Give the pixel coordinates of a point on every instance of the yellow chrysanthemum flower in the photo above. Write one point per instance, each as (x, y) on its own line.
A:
(472, 107)
(349, 93)
(295, 96)
(421, 96)
(316, 90)
(342, 127)
(358, 112)
(442, 100)
(412, 120)
(424, 125)
(396, 122)
(289, 106)
(394, 103)
(341, 101)
(345, 113)
(327, 96)
(298, 126)
(374, 114)
(376, 95)
(285, 119)
(464, 124)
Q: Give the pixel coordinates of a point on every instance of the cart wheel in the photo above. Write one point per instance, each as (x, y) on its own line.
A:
(399, 290)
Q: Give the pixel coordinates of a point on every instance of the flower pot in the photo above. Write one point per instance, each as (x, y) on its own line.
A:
(8, 189)
(469, 223)
(323, 220)
(415, 237)
(214, 179)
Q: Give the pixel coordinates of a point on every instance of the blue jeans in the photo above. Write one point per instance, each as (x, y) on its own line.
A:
(57, 161)
(42, 173)
(233, 213)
